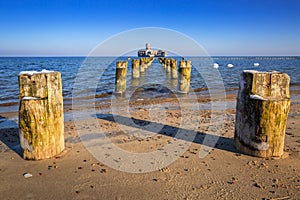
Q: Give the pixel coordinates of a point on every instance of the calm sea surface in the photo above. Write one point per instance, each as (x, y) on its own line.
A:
(154, 82)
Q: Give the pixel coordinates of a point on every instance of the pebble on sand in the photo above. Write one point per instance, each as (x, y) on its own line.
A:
(27, 175)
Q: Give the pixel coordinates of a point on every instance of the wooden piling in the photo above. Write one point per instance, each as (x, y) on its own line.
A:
(263, 105)
(143, 66)
(168, 65)
(121, 71)
(135, 82)
(162, 61)
(174, 83)
(184, 76)
(150, 61)
(146, 62)
(135, 68)
(174, 74)
(41, 117)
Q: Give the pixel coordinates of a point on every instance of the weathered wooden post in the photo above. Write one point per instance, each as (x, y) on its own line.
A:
(263, 105)
(145, 61)
(168, 65)
(143, 66)
(121, 71)
(135, 68)
(184, 77)
(135, 82)
(174, 83)
(174, 69)
(41, 117)
(135, 72)
(162, 62)
(150, 61)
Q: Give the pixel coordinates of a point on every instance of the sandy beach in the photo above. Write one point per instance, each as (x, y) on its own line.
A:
(223, 173)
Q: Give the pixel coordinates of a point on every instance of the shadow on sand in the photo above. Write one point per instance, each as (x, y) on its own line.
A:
(9, 135)
(222, 143)
(9, 132)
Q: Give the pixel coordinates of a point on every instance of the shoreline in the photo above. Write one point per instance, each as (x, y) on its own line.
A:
(201, 92)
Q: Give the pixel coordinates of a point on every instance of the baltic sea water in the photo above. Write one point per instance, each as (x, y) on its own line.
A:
(155, 83)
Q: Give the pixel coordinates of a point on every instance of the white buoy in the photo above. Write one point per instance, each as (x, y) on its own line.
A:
(230, 65)
(256, 64)
(216, 65)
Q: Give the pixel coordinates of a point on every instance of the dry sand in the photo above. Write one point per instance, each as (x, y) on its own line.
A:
(223, 174)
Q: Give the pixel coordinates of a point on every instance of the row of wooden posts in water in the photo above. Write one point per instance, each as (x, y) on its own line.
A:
(263, 105)
(139, 67)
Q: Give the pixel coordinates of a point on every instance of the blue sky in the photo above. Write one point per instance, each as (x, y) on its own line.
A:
(222, 27)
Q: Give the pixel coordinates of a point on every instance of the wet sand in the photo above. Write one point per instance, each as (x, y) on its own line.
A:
(223, 173)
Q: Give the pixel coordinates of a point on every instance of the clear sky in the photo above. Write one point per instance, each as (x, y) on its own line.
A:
(223, 27)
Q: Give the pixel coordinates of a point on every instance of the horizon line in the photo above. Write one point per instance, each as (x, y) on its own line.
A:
(57, 56)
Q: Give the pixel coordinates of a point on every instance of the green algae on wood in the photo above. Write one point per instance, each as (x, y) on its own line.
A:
(135, 64)
(162, 61)
(145, 64)
(168, 65)
(263, 105)
(174, 74)
(121, 71)
(41, 119)
(184, 76)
